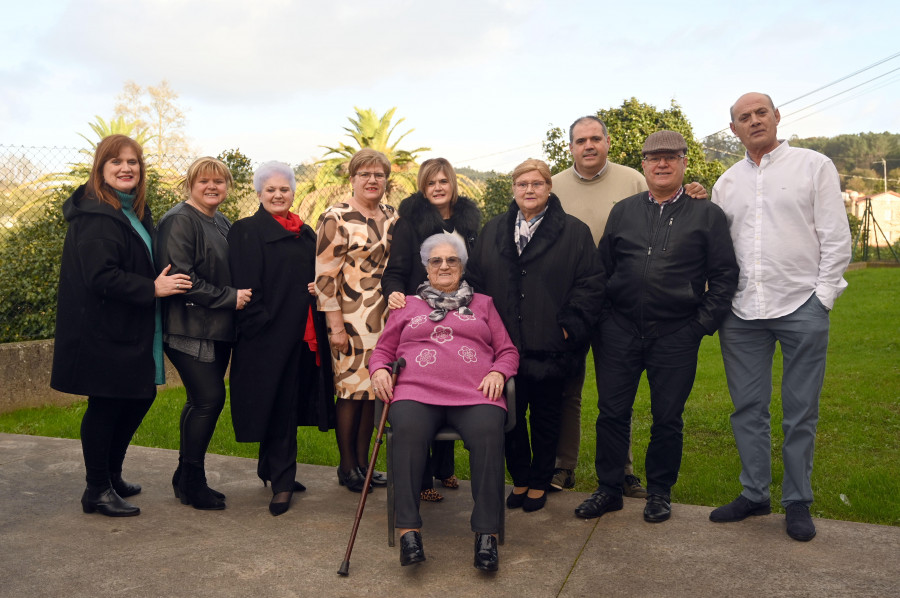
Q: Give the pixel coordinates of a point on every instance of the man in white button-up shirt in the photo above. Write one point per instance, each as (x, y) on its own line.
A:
(792, 241)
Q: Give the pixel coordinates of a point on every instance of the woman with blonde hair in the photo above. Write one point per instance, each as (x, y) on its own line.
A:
(199, 325)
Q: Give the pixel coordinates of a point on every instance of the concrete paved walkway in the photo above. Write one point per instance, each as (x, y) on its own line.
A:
(48, 547)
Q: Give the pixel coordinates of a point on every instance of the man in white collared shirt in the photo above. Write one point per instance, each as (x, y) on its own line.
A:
(792, 241)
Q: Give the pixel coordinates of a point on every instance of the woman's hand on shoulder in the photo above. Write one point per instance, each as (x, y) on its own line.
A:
(243, 298)
(492, 385)
(175, 284)
(396, 300)
(383, 385)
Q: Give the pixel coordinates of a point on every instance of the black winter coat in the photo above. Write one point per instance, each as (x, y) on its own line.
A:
(277, 265)
(668, 270)
(106, 304)
(418, 221)
(195, 244)
(556, 283)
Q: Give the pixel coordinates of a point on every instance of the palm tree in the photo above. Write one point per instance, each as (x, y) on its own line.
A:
(368, 131)
(40, 188)
(116, 126)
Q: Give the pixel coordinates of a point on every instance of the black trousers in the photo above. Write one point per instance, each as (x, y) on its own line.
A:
(532, 463)
(205, 386)
(671, 364)
(278, 450)
(481, 427)
(441, 463)
(106, 431)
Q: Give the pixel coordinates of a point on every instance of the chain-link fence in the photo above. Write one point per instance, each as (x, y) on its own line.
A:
(36, 181)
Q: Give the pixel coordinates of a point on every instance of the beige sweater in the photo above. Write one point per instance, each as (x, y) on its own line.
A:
(591, 201)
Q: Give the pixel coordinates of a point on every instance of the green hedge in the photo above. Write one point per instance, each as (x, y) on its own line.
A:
(29, 264)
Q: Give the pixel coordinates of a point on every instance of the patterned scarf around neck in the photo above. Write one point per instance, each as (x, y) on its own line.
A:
(443, 303)
(524, 229)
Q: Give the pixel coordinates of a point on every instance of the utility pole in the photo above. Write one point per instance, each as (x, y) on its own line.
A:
(884, 167)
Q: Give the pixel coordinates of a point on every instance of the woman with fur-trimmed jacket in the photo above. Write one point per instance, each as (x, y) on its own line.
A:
(543, 272)
(435, 208)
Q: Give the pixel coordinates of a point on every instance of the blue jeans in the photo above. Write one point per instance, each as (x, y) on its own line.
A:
(748, 348)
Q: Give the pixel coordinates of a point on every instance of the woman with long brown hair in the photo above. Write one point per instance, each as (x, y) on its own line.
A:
(108, 328)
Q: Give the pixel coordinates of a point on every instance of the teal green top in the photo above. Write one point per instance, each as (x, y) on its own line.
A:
(128, 210)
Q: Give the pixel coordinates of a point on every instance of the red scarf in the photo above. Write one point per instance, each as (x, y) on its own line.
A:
(292, 223)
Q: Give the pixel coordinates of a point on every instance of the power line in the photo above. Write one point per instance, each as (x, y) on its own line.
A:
(882, 61)
(842, 92)
(844, 78)
(843, 101)
(501, 152)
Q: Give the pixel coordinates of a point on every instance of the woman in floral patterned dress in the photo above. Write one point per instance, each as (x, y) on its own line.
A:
(354, 240)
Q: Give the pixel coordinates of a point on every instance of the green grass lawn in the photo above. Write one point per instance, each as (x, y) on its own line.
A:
(857, 467)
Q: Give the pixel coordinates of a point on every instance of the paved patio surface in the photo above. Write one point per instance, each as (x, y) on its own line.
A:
(48, 547)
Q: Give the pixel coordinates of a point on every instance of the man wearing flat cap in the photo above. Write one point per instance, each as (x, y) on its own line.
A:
(670, 275)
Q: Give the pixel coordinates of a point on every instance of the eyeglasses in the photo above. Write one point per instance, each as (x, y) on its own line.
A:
(379, 176)
(452, 262)
(537, 186)
(667, 158)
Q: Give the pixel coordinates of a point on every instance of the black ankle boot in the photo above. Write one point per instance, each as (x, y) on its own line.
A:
(177, 476)
(176, 479)
(104, 500)
(123, 489)
(194, 491)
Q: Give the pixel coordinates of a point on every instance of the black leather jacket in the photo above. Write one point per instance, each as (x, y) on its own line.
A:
(196, 245)
(668, 269)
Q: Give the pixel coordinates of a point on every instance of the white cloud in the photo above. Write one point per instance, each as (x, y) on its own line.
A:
(236, 50)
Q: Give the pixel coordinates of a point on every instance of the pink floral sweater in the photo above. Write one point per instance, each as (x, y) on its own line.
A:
(446, 360)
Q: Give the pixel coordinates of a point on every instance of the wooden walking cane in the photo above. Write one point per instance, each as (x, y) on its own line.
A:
(345, 566)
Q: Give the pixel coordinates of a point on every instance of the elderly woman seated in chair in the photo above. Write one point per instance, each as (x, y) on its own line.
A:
(459, 356)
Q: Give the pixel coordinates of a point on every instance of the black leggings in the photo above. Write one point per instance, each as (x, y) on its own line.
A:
(106, 430)
(205, 386)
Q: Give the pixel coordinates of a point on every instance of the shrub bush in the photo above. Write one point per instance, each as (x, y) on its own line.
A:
(29, 264)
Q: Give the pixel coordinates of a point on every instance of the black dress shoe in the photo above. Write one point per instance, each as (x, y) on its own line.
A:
(281, 507)
(597, 504)
(298, 487)
(354, 481)
(739, 509)
(411, 551)
(800, 525)
(534, 504)
(486, 557)
(123, 489)
(378, 478)
(104, 500)
(515, 501)
(658, 509)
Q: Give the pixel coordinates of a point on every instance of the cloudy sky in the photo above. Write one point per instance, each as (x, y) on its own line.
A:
(479, 81)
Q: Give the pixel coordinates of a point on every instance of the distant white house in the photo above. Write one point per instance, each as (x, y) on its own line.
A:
(886, 213)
